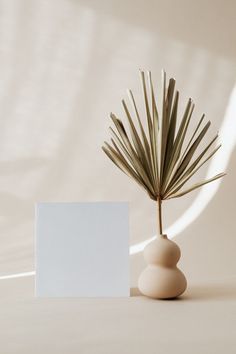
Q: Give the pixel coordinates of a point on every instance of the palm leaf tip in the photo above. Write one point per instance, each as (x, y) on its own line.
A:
(197, 185)
(151, 150)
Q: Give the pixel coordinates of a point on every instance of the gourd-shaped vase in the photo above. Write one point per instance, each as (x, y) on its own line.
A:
(162, 279)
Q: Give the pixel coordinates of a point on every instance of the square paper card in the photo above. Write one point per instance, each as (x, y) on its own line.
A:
(82, 249)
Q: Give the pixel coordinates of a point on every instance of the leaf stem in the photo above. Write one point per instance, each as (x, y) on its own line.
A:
(159, 215)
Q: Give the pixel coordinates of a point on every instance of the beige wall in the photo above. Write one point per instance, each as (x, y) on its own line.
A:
(64, 65)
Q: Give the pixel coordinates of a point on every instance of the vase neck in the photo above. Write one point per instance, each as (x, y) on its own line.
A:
(161, 236)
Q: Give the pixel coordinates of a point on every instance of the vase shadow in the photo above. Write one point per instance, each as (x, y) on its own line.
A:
(135, 292)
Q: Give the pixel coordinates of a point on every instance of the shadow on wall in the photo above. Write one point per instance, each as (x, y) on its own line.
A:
(208, 244)
(197, 25)
(72, 68)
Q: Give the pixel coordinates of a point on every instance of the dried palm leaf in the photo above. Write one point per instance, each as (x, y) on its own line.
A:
(154, 158)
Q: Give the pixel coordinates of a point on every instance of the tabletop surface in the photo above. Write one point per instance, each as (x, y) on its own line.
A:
(201, 321)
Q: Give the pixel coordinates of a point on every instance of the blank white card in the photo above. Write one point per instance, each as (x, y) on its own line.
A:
(82, 249)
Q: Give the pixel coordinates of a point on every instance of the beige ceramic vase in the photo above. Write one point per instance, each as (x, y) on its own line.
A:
(162, 279)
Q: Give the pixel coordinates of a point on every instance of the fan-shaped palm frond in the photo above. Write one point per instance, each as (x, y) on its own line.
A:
(159, 158)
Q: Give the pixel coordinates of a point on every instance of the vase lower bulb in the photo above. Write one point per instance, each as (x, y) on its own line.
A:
(161, 279)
